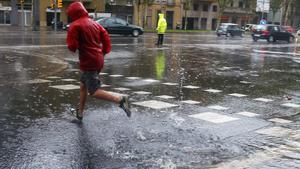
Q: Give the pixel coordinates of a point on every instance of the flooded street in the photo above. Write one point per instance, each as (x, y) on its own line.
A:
(199, 101)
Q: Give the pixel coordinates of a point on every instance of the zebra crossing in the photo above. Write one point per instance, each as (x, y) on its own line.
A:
(214, 116)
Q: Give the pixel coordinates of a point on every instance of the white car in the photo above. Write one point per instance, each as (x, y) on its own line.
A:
(298, 32)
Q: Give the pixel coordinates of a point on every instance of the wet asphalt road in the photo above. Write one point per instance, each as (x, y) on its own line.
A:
(227, 97)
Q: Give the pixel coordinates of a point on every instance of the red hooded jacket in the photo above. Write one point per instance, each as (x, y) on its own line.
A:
(90, 38)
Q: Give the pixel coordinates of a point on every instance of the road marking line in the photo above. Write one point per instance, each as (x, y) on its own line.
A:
(217, 107)
(248, 114)
(279, 120)
(154, 104)
(237, 95)
(263, 100)
(190, 102)
(213, 117)
(66, 87)
(165, 97)
(291, 105)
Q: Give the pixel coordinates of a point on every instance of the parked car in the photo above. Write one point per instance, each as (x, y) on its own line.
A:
(248, 27)
(298, 32)
(229, 29)
(271, 33)
(115, 25)
(289, 29)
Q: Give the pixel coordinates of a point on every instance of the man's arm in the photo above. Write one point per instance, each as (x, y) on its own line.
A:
(73, 38)
(105, 40)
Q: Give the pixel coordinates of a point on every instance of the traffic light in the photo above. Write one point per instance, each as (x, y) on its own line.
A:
(59, 3)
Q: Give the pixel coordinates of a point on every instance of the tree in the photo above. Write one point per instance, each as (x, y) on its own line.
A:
(250, 7)
(275, 5)
(187, 5)
(222, 5)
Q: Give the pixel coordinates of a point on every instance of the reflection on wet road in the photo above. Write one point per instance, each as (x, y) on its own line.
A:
(198, 102)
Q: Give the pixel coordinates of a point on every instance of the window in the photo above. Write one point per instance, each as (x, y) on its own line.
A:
(215, 8)
(120, 21)
(108, 22)
(195, 7)
(205, 7)
(276, 29)
(129, 3)
(203, 23)
(241, 4)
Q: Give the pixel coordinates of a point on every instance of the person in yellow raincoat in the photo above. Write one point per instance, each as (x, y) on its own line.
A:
(161, 28)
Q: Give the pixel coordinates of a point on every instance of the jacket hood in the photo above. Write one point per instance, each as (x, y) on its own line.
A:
(161, 15)
(76, 10)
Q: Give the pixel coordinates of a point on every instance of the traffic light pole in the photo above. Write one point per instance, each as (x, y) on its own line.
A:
(55, 15)
(22, 14)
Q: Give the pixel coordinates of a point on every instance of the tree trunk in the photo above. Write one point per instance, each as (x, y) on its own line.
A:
(185, 19)
(145, 14)
(219, 18)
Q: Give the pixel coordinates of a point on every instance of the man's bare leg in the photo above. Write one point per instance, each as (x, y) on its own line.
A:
(83, 95)
(104, 95)
(122, 101)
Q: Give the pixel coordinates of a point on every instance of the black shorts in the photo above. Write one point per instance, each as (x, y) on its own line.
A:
(91, 80)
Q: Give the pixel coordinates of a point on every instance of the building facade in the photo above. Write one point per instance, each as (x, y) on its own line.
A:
(120, 8)
(239, 12)
(201, 14)
(46, 13)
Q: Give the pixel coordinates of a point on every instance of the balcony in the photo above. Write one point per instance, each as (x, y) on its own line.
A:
(119, 9)
(237, 10)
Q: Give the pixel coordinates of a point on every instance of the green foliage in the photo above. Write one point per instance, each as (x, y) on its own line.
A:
(275, 5)
(187, 4)
(224, 3)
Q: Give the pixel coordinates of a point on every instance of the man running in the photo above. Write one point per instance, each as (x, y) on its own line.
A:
(93, 43)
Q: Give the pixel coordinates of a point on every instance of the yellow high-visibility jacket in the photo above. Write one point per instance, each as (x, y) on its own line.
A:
(162, 24)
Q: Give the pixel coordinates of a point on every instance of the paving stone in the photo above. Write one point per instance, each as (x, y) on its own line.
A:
(248, 114)
(37, 81)
(133, 78)
(122, 89)
(213, 117)
(291, 105)
(117, 94)
(190, 102)
(213, 91)
(165, 97)
(68, 80)
(66, 87)
(237, 95)
(53, 77)
(245, 82)
(171, 84)
(150, 80)
(263, 100)
(142, 92)
(191, 87)
(280, 120)
(154, 104)
(103, 73)
(105, 85)
(73, 70)
(217, 107)
(116, 75)
(275, 131)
